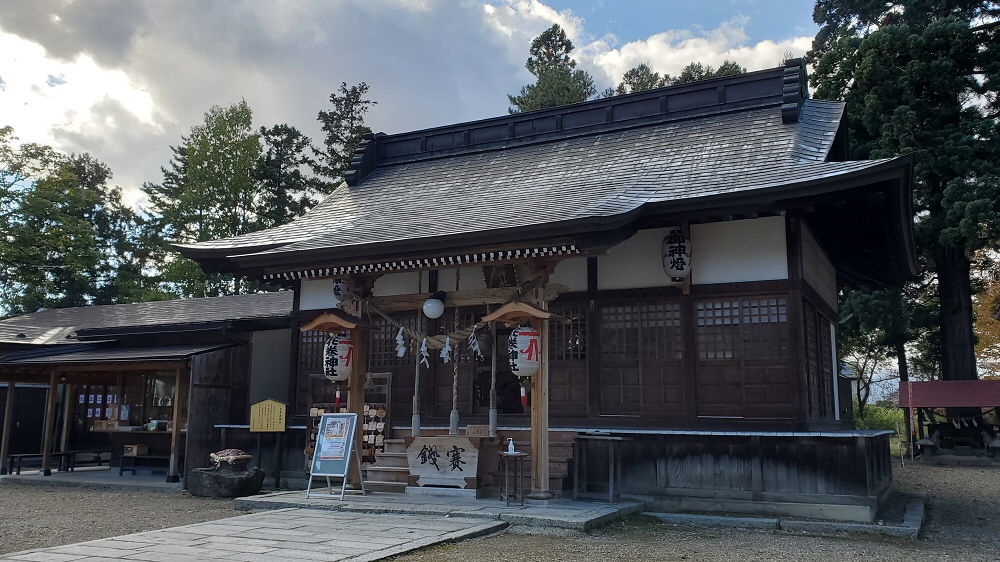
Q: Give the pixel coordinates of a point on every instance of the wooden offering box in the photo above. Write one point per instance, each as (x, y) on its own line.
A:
(451, 461)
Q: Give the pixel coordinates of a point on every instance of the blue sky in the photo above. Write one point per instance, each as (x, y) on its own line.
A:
(636, 19)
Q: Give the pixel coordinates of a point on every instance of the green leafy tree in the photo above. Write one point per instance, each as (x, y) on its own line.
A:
(343, 126)
(20, 164)
(210, 190)
(70, 241)
(920, 77)
(288, 188)
(558, 82)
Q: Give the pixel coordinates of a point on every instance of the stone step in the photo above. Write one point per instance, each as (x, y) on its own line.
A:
(385, 486)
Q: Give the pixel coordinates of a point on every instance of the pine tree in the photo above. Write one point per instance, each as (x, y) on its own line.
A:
(642, 77)
(558, 82)
(288, 188)
(921, 77)
(344, 126)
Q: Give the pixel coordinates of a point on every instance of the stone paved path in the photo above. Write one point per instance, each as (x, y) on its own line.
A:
(284, 534)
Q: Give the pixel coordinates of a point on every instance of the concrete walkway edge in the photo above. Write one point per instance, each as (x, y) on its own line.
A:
(913, 522)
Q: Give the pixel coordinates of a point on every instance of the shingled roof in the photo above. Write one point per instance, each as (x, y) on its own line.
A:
(585, 168)
(146, 314)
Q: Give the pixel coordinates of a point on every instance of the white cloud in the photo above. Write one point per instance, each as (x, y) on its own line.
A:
(671, 50)
(137, 75)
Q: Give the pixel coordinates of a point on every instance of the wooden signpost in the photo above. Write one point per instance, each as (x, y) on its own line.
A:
(268, 416)
(334, 453)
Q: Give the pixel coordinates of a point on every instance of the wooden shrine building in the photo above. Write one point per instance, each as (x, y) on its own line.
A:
(717, 370)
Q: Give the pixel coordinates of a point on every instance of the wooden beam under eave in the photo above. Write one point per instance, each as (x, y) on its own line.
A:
(333, 321)
(520, 311)
(98, 368)
(475, 297)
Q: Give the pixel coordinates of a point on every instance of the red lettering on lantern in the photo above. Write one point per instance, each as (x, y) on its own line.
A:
(350, 353)
(533, 352)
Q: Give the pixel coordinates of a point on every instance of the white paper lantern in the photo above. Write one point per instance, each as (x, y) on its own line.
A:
(434, 306)
(676, 252)
(338, 358)
(524, 351)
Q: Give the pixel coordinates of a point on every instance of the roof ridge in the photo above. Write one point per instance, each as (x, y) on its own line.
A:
(784, 86)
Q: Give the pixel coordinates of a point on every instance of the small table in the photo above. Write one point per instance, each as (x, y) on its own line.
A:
(614, 466)
(517, 460)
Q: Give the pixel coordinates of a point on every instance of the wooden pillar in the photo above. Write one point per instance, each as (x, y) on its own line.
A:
(356, 393)
(8, 427)
(173, 472)
(50, 422)
(540, 415)
(67, 421)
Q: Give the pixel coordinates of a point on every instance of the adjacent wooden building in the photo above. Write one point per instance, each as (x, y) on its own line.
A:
(146, 383)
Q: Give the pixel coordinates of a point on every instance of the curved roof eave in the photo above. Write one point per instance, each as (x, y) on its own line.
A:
(896, 168)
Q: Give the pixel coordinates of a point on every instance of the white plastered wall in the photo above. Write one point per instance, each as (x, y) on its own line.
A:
(721, 252)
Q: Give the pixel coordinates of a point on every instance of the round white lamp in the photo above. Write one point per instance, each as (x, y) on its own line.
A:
(434, 306)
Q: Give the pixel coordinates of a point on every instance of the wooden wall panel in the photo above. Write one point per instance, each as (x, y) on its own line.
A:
(744, 365)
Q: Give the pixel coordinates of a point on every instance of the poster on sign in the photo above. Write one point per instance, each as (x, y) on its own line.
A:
(334, 452)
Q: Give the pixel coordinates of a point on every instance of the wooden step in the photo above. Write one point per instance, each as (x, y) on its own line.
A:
(388, 473)
(394, 446)
(391, 459)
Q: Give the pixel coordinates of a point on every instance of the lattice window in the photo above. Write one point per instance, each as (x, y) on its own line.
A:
(661, 333)
(382, 340)
(311, 352)
(568, 340)
(726, 329)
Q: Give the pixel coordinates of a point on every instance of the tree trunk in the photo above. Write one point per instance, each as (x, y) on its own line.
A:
(958, 356)
(904, 375)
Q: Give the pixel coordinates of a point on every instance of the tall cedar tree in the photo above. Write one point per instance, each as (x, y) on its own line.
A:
(288, 188)
(558, 82)
(344, 127)
(921, 77)
(70, 240)
(209, 191)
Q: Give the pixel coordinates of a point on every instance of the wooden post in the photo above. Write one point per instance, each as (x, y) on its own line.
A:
(50, 422)
(415, 418)
(173, 472)
(8, 427)
(67, 424)
(540, 414)
(356, 393)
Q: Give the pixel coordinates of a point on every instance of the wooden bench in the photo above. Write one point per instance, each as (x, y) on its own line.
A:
(16, 461)
(129, 463)
(88, 458)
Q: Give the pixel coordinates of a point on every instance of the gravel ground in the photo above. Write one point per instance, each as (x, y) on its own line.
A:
(963, 525)
(35, 515)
